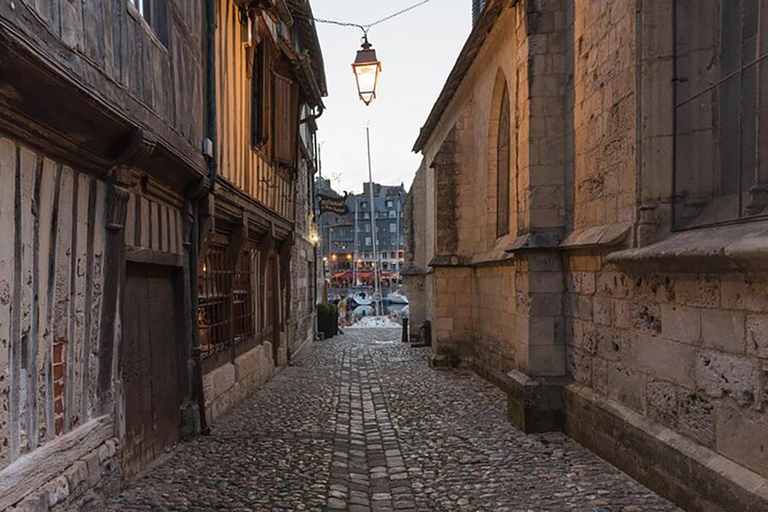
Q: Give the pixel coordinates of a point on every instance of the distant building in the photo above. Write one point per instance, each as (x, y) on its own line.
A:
(347, 240)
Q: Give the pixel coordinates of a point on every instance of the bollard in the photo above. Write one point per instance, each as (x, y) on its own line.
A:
(405, 330)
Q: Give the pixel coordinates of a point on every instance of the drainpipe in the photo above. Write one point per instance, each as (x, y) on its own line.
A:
(210, 12)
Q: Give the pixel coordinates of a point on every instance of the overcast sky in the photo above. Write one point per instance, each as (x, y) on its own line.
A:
(417, 50)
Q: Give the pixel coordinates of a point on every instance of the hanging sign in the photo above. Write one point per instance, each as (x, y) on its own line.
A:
(337, 205)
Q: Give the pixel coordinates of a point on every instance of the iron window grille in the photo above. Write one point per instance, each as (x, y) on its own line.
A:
(242, 298)
(720, 127)
(214, 301)
(226, 312)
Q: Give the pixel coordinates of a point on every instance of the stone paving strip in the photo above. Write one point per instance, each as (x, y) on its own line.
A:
(360, 423)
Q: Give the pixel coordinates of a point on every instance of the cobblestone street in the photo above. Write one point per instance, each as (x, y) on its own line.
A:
(361, 423)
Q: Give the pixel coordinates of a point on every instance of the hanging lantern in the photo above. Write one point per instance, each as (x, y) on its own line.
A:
(367, 68)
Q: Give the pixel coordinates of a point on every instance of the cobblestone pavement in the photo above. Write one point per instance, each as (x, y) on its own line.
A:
(360, 423)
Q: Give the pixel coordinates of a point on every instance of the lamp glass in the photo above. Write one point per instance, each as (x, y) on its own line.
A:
(367, 68)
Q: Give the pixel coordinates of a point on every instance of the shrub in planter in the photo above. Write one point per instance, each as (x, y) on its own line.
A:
(328, 319)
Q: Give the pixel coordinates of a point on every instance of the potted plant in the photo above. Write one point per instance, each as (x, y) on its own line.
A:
(328, 319)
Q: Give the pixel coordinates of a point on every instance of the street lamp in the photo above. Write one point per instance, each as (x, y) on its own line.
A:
(367, 68)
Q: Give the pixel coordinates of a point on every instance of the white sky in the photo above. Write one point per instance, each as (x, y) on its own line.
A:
(417, 50)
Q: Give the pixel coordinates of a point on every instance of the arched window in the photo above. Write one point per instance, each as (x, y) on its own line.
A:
(503, 164)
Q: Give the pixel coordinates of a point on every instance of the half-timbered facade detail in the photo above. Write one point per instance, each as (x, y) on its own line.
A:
(257, 262)
(102, 123)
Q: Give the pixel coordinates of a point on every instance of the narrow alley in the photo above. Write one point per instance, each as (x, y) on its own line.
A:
(361, 423)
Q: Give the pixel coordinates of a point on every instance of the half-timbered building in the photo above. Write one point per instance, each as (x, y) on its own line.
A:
(156, 163)
(101, 129)
(257, 266)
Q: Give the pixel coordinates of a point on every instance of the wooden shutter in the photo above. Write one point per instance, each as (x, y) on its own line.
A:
(283, 120)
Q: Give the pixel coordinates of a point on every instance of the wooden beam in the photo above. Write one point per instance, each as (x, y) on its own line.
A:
(46, 463)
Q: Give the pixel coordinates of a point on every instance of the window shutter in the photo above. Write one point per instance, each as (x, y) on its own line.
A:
(283, 139)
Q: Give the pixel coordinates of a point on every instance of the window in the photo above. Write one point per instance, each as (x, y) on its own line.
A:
(214, 304)
(367, 228)
(367, 241)
(392, 227)
(503, 163)
(155, 13)
(226, 313)
(258, 127)
(721, 147)
(390, 204)
(393, 215)
(363, 205)
(242, 298)
(366, 216)
(286, 120)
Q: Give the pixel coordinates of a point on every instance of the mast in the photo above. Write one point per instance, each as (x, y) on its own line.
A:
(373, 225)
(354, 262)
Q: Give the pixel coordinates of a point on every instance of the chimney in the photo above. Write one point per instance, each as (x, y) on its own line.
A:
(477, 9)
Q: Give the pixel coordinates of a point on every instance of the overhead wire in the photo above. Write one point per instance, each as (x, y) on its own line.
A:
(365, 27)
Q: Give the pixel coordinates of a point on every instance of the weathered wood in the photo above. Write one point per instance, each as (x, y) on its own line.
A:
(114, 276)
(39, 467)
(99, 240)
(28, 167)
(89, 297)
(152, 257)
(73, 72)
(149, 360)
(62, 316)
(48, 10)
(7, 287)
(131, 221)
(144, 225)
(94, 31)
(111, 23)
(45, 255)
(72, 23)
(50, 321)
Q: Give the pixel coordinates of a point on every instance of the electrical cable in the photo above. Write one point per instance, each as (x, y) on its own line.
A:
(367, 27)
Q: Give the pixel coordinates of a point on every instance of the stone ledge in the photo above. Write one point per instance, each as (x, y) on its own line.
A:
(689, 474)
(726, 248)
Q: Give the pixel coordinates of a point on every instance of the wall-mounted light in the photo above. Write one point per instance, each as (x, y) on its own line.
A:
(367, 68)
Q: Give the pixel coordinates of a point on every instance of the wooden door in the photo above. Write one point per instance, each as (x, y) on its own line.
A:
(149, 359)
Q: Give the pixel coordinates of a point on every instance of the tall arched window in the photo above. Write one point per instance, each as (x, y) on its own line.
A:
(503, 164)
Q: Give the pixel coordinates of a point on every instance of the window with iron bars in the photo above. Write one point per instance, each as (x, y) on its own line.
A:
(226, 312)
(720, 112)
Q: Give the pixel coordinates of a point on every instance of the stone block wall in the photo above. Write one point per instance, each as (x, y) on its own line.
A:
(302, 324)
(602, 112)
(495, 320)
(227, 385)
(452, 325)
(86, 485)
(690, 351)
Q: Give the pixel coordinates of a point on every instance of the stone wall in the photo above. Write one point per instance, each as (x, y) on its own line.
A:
(688, 350)
(602, 113)
(415, 251)
(648, 346)
(302, 324)
(232, 382)
(495, 321)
